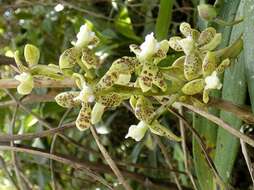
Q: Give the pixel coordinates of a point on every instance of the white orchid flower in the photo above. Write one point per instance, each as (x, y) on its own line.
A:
(149, 47)
(84, 36)
(86, 94)
(26, 83)
(212, 82)
(137, 132)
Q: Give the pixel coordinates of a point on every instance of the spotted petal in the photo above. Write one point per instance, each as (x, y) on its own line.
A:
(83, 121)
(67, 99)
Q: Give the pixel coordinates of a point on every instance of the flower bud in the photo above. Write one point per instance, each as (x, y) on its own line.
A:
(32, 54)
(207, 12)
(26, 83)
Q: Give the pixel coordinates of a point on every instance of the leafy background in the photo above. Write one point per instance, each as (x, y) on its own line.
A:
(152, 163)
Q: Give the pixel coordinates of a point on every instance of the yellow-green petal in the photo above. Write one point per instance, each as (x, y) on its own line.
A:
(67, 99)
(32, 54)
(193, 87)
(83, 121)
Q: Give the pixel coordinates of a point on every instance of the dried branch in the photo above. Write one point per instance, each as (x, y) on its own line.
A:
(168, 161)
(220, 123)
(39, 83)
(247, 158)
(185, 151)
(110, 161)
(52, 147)
(203, 148)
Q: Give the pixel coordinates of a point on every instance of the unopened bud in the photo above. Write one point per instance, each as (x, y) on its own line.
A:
(32, 54)
(207, 12)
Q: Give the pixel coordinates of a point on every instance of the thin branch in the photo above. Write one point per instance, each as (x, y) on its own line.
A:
(52, 147)
(83, 165)
(220, 123)
(31, 99)
(13, 154)
(72, 163)
(39, 83)
(30, 136)
(185, 151)
(247, 158)
(168, 160)
(46, 124)
(6, 171)
(203, 148)
(242, 112)
(110, 161)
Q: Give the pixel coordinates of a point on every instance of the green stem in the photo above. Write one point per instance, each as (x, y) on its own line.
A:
(231, 51)
(164, 19)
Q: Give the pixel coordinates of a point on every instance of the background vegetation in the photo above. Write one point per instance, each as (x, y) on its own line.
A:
(41, 131)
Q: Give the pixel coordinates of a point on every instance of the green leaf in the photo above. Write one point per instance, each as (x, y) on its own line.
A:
(207, 129)
(234, 90)
(124, 26)
(164, 19)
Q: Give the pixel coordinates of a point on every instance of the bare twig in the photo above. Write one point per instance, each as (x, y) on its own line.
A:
(168, 161)
(185, 151)
(52, 146)
(13, 154)
(220, 123)
(32, 98)
(203, 148)
(110, 161)
(247, 157)
(46, 124)
(6, 171)
(39, 83)
(30, 136)
(72, 163)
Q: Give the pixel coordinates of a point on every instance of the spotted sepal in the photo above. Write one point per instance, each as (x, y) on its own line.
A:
(83, 121)
(193, 87)
(67, 99)
(192, 66)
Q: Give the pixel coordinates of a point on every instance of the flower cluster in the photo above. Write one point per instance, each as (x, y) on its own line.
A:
(31, 71)
(149, 87)
(200, 65)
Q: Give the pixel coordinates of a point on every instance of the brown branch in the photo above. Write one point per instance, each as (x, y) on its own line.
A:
(185, 151)
(168, 160)
(84, 165)
(30, 136)
(203, 148)
(110, 161)
(242, 112)
(62, 159)
(4, 60)
(220, 123)
(39, 83)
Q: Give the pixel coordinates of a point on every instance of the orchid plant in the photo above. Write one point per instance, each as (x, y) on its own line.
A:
(149, 87)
